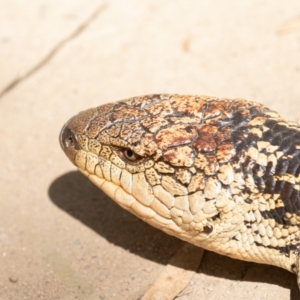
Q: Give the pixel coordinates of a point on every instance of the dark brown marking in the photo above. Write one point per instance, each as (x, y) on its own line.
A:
(205, 141)
(208, 229)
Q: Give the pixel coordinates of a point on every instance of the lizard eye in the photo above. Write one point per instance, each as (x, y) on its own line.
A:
(130, 156)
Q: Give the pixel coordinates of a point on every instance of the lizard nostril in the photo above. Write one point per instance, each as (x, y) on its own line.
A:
(70, 142)
(68, 139)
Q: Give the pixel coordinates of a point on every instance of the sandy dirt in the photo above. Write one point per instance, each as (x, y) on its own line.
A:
(61, 237)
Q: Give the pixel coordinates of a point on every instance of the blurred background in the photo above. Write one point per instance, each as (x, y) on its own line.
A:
(62, 238)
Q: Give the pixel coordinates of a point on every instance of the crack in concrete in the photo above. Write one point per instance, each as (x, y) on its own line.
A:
(53, 52)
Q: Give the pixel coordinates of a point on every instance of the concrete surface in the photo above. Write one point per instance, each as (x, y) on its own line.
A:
(62, 238)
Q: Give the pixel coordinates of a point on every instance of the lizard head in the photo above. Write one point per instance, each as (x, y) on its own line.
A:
(166, 158)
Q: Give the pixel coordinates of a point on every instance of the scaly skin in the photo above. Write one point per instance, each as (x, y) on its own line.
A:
(221, 174)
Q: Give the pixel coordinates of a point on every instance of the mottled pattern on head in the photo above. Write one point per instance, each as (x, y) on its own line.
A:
(153, 124)
(220, 173)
